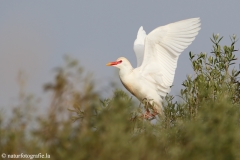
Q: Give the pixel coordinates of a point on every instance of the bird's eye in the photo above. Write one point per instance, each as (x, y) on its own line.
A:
(120, 61)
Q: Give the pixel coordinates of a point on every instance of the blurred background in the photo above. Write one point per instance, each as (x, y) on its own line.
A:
(35, 35)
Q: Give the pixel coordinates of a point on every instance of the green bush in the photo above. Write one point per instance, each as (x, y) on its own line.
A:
(79, 124)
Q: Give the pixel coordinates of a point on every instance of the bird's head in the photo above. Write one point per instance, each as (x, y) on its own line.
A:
(120, 63)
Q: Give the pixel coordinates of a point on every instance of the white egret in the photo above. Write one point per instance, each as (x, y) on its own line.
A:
(157, 55)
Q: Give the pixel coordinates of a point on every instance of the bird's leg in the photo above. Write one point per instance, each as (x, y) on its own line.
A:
(148, 115)
(155, 112)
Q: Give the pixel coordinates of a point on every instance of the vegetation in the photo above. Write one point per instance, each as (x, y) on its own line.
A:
(203, 124)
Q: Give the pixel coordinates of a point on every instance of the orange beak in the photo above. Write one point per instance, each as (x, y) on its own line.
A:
(112, 63)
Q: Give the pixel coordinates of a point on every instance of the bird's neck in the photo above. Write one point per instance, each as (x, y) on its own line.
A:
(125, 71)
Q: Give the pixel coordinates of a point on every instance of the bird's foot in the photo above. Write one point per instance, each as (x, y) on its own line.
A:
(149, 116)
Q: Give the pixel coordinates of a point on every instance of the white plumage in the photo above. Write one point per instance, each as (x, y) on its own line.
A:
(157, 55)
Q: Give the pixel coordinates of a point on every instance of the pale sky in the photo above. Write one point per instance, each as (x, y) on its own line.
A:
(34, 36)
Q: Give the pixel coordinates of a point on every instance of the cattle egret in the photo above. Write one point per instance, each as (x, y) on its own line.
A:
(157, 55)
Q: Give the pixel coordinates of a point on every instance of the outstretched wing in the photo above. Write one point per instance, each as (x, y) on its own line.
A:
(162, 48)
(138, 46)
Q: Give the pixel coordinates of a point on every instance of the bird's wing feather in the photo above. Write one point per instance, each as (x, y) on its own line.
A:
(161, 51)
(138, 46)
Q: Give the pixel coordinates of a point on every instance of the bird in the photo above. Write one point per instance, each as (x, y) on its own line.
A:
(157, 55)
